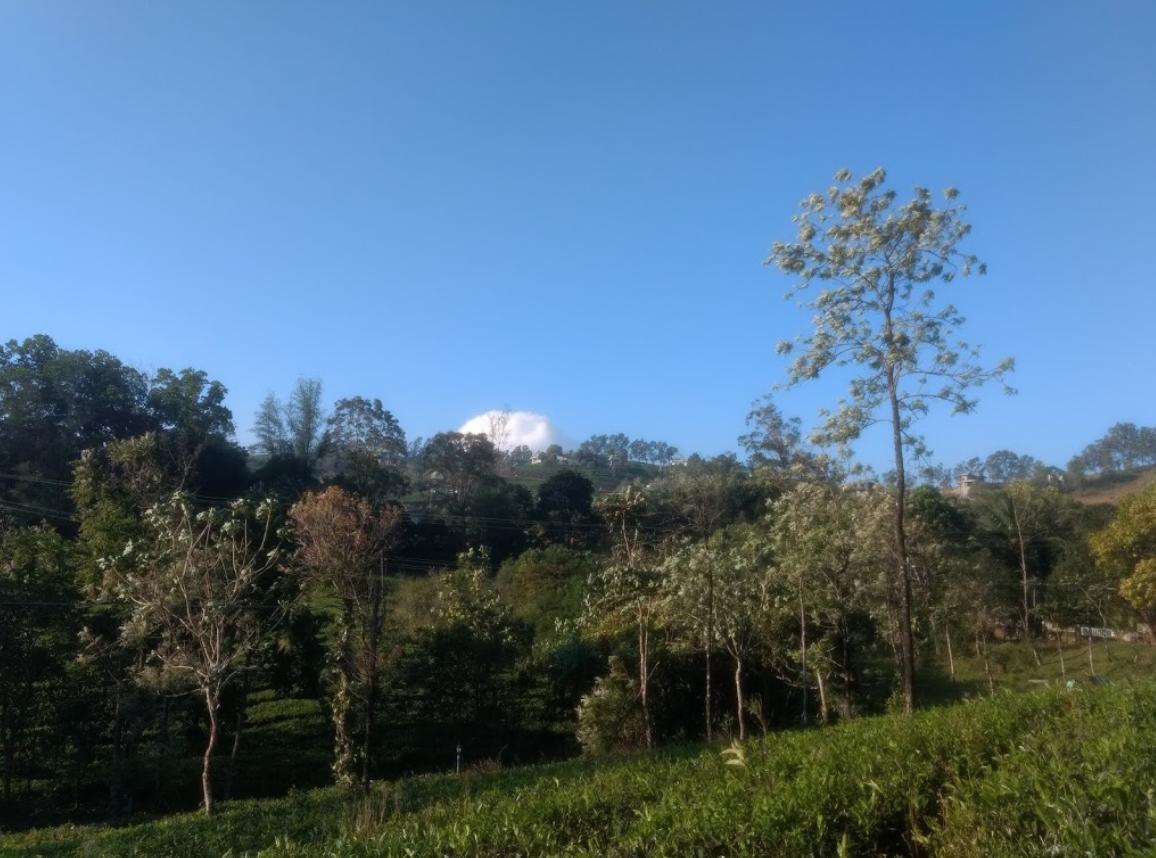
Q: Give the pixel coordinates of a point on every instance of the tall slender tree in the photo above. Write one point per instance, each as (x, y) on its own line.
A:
(269, 427)
(627, 594)
(343, 546)
(866, 267)
(305, 418)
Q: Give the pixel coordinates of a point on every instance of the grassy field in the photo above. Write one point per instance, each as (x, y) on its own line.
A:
(1014, 667)
(1064, 771)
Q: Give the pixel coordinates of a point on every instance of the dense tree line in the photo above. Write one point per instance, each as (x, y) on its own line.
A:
(156, 580)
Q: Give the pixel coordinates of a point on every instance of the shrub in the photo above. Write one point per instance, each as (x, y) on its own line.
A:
(610, 717)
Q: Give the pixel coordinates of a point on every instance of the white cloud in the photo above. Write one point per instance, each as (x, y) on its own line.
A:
(521, 427)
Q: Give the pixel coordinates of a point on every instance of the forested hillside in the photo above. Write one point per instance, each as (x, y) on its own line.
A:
(187, 621)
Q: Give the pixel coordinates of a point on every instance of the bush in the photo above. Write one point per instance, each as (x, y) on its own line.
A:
(610, 716)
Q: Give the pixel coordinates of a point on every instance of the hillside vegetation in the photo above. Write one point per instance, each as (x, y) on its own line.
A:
(183, 623)
(1062, 772)
(1113, 488)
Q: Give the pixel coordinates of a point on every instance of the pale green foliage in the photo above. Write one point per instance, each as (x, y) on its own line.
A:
(875, 264)
(466, 598)
(720, 590)
(775, 447)
(1021, 518)
(609, 717)
(688, 592)
(729, 573)
(194, 584)
(618, 595)
(1127, 547)
(627, 593)
(833, 557)
(198, 593)
(832, 545)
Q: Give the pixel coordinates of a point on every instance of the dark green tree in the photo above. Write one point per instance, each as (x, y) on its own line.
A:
(546, 585)
(269, 427)
(38, 627)
(457, 464)
(564, 508)
(305, 420)
(366, 448)
(55, 403)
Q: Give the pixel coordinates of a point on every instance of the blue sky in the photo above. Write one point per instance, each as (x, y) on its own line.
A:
(564, 207)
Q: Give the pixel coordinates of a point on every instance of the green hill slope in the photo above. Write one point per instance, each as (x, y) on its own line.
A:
(1113, 488)
(1063, 771)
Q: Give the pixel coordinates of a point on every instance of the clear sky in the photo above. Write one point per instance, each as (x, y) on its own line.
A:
(564, 207)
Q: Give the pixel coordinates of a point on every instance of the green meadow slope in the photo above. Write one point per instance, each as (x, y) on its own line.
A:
(1062, 771)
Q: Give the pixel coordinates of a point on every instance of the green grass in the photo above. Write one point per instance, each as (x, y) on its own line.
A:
(287, 743)
(1014, 668)
(1059, 772)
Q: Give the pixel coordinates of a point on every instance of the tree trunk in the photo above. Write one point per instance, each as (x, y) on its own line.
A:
(950, 654)
(343, 763)
(644, 676)
(824, 714)
(116, 776)
(803, 652)
(211, 703)
(1060, 650)
(846, 709)
(740, 703)
(1024, 582)
(238, 729)
(1091, 661)
(906, 636)
(163, 749)
(986, 665)
(9, 749)
(709, 646)
(377, 595)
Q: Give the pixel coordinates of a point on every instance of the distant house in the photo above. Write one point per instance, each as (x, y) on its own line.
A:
(967, 484)
(540, 458)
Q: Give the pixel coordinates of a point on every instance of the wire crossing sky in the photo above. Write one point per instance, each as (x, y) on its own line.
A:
(564, 208)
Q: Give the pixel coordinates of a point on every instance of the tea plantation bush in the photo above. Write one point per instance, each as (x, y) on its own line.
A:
(1052, 773)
